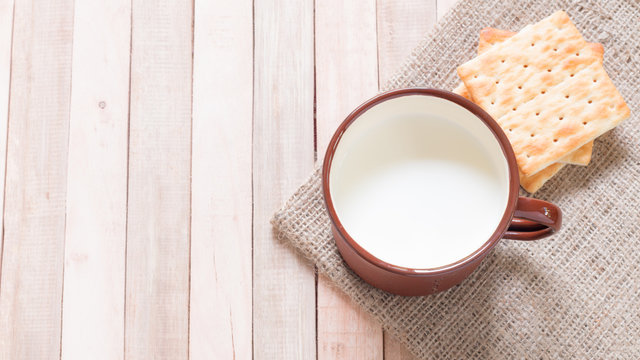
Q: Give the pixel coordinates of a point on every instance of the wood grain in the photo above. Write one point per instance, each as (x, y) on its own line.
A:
(6, 29)
(346, 62)
(157, 268)
(346, 75)
(401, 26)
(36, 181)
(395, 350)
(93, 307)
(151, 238)
(220, 325)
(283, 284)
(345, 331)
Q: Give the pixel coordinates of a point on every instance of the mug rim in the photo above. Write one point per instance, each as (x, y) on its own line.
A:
(496, 130)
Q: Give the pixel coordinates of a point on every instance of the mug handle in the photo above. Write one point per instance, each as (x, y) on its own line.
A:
(533, 219)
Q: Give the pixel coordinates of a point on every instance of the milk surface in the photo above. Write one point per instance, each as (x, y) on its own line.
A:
(419, 191)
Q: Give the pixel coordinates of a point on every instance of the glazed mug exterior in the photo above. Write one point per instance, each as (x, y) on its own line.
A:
(524, 218)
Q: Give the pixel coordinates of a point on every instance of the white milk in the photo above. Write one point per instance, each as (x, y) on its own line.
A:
(418, 190)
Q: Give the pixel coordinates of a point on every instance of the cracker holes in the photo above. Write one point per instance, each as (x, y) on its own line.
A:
(475, 76)
(555, 49)
(589, 102)
(528, 156)
(577, 54)
(543, 92)
(584, 123)
(555, 140)
(533, 44)
(510, 130)
(572, 75)
(497, 82)
(532, 135)
(566, 96)
(595, 80)
(548, 70)
(493, 102)
(561, 118)
(525, 66)
(514, 109)
(538, 113)
(520, 87)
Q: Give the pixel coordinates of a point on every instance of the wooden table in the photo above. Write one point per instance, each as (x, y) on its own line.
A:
(145, 145)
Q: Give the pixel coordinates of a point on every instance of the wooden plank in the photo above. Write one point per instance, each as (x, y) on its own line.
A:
(36, 181)
(345, 331)
(6, 28)
(283, 284)
(394, 350)
(346, 75)
(401, 25)
(220, 325)
(93, 306)
(157, 268)
(346, 62)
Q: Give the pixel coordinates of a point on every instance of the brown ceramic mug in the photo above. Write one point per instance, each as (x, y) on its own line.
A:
(420, 184)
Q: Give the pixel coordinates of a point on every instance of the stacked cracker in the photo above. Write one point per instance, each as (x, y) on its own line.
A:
(547, 89)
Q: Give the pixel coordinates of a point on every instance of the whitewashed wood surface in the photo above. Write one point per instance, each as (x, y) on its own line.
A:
(144, 146)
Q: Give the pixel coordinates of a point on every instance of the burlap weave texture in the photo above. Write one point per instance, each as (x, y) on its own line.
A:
(575, 295)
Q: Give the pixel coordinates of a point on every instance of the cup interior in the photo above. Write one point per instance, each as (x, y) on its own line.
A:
(419, 181)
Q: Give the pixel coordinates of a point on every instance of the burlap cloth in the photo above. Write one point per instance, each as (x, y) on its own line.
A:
(575, 295)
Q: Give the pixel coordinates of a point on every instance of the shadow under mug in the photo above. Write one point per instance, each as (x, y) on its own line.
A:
(523, 219)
